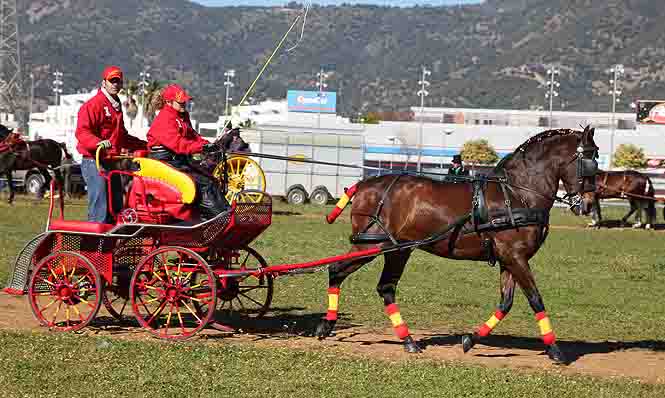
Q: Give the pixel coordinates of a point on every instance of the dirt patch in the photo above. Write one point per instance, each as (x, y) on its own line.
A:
(644, 360)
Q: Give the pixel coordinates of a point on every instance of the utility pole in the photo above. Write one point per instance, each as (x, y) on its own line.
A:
(552, 87)
(616, 72)
(228, 83)
(422, 93)
(10, 60)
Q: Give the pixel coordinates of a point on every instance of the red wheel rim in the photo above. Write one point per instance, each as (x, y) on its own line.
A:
(165, 287)
(65, 291)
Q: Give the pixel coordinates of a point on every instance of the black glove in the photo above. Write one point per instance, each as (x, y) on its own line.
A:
(211, 147)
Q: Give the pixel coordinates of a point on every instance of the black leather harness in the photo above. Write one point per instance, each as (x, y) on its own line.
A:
(482, 219)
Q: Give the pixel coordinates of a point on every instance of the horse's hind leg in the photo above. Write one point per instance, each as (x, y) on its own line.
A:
(336, 275)
(387, 287)
(632, 210)
(507, 293)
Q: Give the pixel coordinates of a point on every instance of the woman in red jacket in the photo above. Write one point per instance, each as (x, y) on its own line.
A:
(172, 139)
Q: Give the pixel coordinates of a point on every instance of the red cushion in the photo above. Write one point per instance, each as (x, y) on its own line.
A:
(80, 226)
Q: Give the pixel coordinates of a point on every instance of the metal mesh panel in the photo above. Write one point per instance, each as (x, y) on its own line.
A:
(96, 249)
(18, 279)
(250, 219)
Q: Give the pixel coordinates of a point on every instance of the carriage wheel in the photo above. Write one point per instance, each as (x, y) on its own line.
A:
(166, 288)
(116, 301)
(243, 174)
(246, 297)
(65, 291)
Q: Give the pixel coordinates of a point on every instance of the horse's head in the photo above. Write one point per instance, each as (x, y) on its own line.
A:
(579, 171)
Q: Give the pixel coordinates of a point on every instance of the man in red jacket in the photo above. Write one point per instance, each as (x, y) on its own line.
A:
(172, 139)
(100, 123)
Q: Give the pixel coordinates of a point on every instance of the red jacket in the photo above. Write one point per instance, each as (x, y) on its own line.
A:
(99, 121)
(174, 131)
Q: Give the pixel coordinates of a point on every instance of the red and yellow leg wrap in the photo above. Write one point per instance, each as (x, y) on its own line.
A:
(341, 204)
(333, 303)
(401, 330)
(491, 323)
(546, 332)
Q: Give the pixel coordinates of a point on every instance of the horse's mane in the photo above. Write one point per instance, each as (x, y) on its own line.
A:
(536, 138)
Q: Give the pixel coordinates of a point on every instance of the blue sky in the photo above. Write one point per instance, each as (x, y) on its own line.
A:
(404, 3)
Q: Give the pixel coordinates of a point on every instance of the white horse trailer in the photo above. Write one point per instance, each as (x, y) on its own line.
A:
(298, 181)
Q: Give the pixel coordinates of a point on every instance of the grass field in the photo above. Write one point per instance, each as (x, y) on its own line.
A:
(597, 286)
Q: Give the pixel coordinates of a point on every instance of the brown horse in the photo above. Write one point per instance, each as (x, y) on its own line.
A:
(44, 154)
(503, 218)
(629, 184)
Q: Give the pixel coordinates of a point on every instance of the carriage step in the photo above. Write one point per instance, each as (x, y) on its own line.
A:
(369, 238)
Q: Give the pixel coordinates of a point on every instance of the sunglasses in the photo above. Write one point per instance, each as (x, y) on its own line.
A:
(115, 80)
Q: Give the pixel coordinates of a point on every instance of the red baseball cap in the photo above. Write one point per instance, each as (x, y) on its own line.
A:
(174, 92)
(110, 72)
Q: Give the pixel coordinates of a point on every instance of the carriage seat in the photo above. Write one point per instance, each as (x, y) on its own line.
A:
(165, 190)
(80, 226)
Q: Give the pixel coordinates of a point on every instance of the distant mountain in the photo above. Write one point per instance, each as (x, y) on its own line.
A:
(492, 55)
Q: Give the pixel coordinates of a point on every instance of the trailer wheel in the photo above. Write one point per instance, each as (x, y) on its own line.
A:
(319, 197)
(296, 196)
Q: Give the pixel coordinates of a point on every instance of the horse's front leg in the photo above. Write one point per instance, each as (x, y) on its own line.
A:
(10, 184)
(525, 279)
(387, 288)
(507, 283)
(336, 275)
(596, 215)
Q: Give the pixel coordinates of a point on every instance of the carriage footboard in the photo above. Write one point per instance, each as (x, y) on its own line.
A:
(18, 279)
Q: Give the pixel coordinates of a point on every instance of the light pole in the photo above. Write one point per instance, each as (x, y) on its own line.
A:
(32, 98)
(57, 90)
(422, 93)
(321, 85)
(229, 74)
(446, 132)
(144, 78)
(552, 86)
(616, 72)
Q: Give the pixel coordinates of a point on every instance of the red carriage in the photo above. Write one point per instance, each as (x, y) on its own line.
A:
(172, 276)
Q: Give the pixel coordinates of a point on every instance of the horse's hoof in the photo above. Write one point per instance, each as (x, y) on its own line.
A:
(556, 355)
(648, 226)
(468, 341)
(411, 346)
(638, 225)
(324, 329)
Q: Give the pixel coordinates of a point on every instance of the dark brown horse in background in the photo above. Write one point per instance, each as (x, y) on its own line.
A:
(631, 185)
(46, 155)
(409, 208)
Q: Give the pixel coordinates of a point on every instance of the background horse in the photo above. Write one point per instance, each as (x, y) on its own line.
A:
(631, 185)
(43, 154)
(401, 208)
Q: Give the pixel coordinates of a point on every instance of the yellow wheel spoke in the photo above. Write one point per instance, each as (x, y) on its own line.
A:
(192, 312)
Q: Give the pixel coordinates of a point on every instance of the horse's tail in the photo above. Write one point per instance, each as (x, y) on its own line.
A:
(63, 146)
(651, 206)
(341, 203)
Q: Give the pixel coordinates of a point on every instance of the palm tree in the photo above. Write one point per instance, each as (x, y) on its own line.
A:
(152, 99)
(130, 104)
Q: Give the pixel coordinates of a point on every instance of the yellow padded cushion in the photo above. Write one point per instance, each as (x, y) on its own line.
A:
(163, 172)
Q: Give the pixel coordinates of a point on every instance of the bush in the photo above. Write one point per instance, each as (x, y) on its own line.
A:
(479, 152)
(629, 156)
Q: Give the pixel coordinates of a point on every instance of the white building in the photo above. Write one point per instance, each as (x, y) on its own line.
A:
(58, 122)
